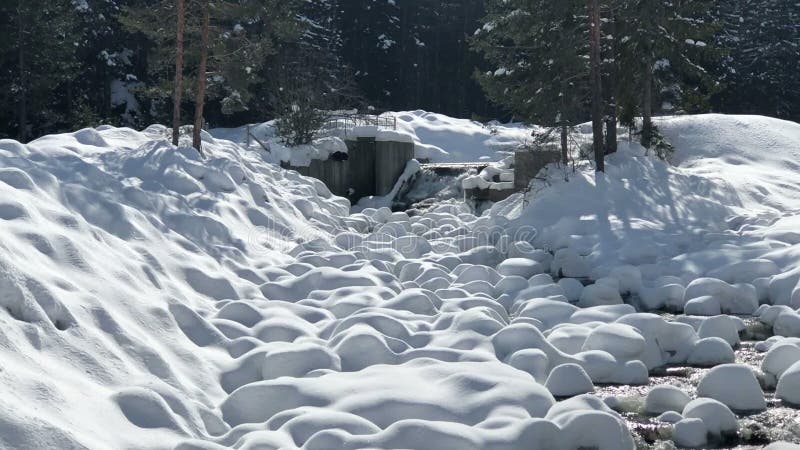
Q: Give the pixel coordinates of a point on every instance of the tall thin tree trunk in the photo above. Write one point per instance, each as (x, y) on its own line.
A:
(200, 96)
(596, 85)
(611, 114)
(564, 144)
(647, 107)
(22, 111)
(178, 88)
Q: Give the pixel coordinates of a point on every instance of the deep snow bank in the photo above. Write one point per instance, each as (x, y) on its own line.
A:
(113, 241)
(726, 210)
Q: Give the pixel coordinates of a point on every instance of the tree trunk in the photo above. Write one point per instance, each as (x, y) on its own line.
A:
(647, 108)
(22, 111)
(178, 87)
(200, 96)
(596, 84)
(564, 144)
(611, 114)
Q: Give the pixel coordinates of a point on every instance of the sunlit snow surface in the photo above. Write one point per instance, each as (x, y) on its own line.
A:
(152, 299)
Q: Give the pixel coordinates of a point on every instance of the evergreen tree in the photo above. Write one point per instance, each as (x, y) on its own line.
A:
(38, 59)
(538, 49)
(227, 48)
(759, 73)
(659, 46)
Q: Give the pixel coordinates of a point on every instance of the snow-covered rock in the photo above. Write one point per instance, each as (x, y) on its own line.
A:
(779, 358)
(787, 324)
(788, 388)
(735, 385)
(568, 263)
(733, 299)
(621, 341)
(522, 267)
(568, 380)
(599, 294)
(703, 306)
(723, 327)
(710, 352)
(718, 418)
(690, 433)
(663, 398)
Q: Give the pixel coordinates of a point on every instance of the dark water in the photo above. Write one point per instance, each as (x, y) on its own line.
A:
(779, 422)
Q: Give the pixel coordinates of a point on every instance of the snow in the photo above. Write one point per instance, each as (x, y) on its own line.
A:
(735, 385)
(779, 358)
(567, 380)
(690, 433)
(665, 398)
(718, 418)
(788, 388)
(445, 139)
(153, 299)
(711, 351)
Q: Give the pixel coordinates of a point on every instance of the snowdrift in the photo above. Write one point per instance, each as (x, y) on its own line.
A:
(725, 208)
(113, 241)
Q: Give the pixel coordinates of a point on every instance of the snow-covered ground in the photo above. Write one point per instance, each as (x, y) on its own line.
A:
(155, 300)
(437, 138)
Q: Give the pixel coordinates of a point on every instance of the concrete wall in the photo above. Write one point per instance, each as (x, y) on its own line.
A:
(372, 168)
(528, 163)
(362, 167)
(390, 162)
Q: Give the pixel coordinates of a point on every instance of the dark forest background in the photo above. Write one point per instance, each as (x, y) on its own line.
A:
(66, 64)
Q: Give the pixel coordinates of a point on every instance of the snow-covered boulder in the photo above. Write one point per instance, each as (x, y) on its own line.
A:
(521, 267)
(601, 293)
(722, 327)
(710, 352)
(703, 306)
(622, 341)
(531, 360)
(586, 412)
(788, 388)
(629, 278)
(735, 385)
(568, 380)
(572, 288)
(669, 296)
(569, 338)
(663, 398)
(787, 324)
(718, 418)
(778, 359)
(568, 263)
(677, 341)
(733, 299)
(690, 433)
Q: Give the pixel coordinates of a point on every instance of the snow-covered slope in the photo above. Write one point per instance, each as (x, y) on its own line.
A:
(731, 194)
(440, 138)
(113, 241)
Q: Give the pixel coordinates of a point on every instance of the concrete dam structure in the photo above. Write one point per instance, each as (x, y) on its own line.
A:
(372, 165)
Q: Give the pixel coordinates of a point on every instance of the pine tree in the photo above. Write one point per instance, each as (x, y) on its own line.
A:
(538, 49)
(228, 45)
(660, 45)
(37, 56)
(759, 72)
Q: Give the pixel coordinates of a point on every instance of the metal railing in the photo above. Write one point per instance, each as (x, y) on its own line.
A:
(343, 124)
